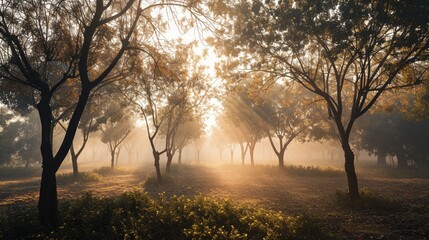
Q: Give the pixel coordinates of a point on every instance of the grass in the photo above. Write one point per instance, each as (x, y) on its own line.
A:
(368, 200)
(19, 172)
(134, 215)
(313, 171)
(393, 172)
(294, 170)
(82, 177)
(107, 171)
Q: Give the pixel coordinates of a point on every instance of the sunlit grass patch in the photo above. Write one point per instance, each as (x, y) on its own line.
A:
(368, 200)
(19, 172)
(105, 171)
(294, 170)
(81, 177)
(315, 171)
(134, 215)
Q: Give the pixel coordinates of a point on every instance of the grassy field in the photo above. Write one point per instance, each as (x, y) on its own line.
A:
(394, 204)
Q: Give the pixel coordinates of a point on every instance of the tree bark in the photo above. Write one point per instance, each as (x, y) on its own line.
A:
(112, 159)
(74, 161)
(251, 151)
(350, 170)
(48, 210)
(402, 160)
(281, 160)
(48, 203)
(381, 158)
(157, 166)
(169, 161)
(179, 160)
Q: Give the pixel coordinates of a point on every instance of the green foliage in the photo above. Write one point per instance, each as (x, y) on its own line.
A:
(134, 215)
(368, 200)
(82, 177)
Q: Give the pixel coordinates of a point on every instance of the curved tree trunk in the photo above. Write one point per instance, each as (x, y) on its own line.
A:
(350, 170)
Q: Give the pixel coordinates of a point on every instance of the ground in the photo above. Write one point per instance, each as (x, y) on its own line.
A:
(404, 215)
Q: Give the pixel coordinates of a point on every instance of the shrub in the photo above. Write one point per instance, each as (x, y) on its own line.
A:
(134, 215)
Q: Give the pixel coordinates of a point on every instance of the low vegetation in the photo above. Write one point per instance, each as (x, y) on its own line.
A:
(134, 215)
(19, 172)
(82, 177)
(369, 200)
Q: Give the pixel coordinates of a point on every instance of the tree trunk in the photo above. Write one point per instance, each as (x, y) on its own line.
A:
(243, 152)
(169, 161)
(281, 160)
(349, 167)
(402, 160)
(180, 156)
(48, 210)
(157, 166)
(252, 159)
(381, 158)
(112, 159)
(74, 161)
(198, 157)
(48, 203)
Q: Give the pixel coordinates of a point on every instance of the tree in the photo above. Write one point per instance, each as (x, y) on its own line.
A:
(190, 131)
(285, 117)
(346, 52)
(392, 133)
(242, 121)
(115, 128)
(45, 45)
(19, 139)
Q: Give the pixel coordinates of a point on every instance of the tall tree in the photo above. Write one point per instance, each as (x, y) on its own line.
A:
(45, 45)
(346, 52)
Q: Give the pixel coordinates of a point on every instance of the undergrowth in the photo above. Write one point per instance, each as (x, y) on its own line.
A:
(82, 177)
(19, 172)
(368, 200)
(134, 215)
(106, 171)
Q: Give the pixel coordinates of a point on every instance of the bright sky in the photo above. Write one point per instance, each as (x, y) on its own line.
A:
(209, 59)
